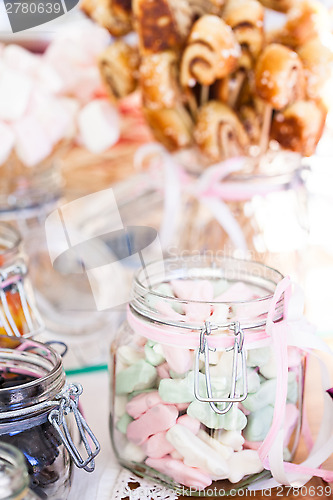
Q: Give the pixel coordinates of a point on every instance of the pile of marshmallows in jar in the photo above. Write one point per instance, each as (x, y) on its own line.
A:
(47, 99)
(155, 408)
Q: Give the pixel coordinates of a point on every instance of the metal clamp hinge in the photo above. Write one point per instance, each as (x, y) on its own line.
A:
(238, 349)
(69, 404)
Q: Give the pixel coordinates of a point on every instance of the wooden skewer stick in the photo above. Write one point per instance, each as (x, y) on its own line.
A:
(235, 87)
(204, 97)
(265, 130)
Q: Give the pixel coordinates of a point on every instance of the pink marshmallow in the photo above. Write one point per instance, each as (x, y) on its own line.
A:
(290, 422)
(20, 59)
(182, 406)
(163, 370)
(6, 142)
(15, 91)
(99, 126)
(191, 423)
(157, 419)
(198, 291)
(236, 292)
(179, 360)
(181, 473)
(165, 308)
(252, 445)
(157, 446)
(143, 402)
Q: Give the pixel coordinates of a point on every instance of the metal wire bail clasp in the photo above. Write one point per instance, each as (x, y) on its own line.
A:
(69, 404)
(239, 351)
(14, 300)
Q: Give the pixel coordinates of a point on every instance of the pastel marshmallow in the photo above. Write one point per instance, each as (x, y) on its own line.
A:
(292, 388)
(129, 355)
(6, 143)
(180, 390)
(138, 405)
(197, 453)
(157, 419)
(223, 451)
(15, 91)
(191, 423)
(237, 292)
(258, 424)
(123, 422)
(244, 463)
(233, 420)
(258, 357)
(20, 59)
(163, 371)
(99, 126)
(133, 453)
(154, 353)
(32, 143)
(181, 473)
(263, 397)
(120, 403)
(139, 376)
(234, 439)
(179, 360)
(157, 446)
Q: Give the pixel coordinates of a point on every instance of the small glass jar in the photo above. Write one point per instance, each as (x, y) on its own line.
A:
(39, 414)
(14, 478)
(255, 211)
(18, 313)
(189, 414)
(25, 190)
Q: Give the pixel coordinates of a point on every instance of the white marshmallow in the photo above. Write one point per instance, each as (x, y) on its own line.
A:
(233, 439)
(133, 453)
(243, 463)
(99, 125)
(15, 91)
(197, 453)
(16, 57)
(32, 143)
(224, 451)
(6, 142)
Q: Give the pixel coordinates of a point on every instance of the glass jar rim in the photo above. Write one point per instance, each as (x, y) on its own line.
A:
(251, 313)
(138, 284)
(43, 359)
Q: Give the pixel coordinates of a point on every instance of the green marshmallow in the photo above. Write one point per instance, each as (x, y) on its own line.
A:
(153, 353)
(139, 376)
(233, 420)
(258, 357)
(292, 388)
(220, 286)
(166, 289)
(179, 390)
(258, 424)
(263, 397)
(123, 423)
(253, 382)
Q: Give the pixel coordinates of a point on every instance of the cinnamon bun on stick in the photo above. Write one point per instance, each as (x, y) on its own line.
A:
(159, 80)
(211, 53)
(119, 68)
(162, 24)
(246, 18)
(172, 127)
(299, 127)
(279, 78)
(219, 133)
(113, 15)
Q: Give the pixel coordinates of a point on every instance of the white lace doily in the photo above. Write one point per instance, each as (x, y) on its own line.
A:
(146, 490)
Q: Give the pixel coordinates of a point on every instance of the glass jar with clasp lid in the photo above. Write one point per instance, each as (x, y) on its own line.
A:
(39, 414)
(195, 380)
(18, 313)
(14, 478)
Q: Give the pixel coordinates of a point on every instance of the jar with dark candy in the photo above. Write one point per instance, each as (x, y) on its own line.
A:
(38, 412)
